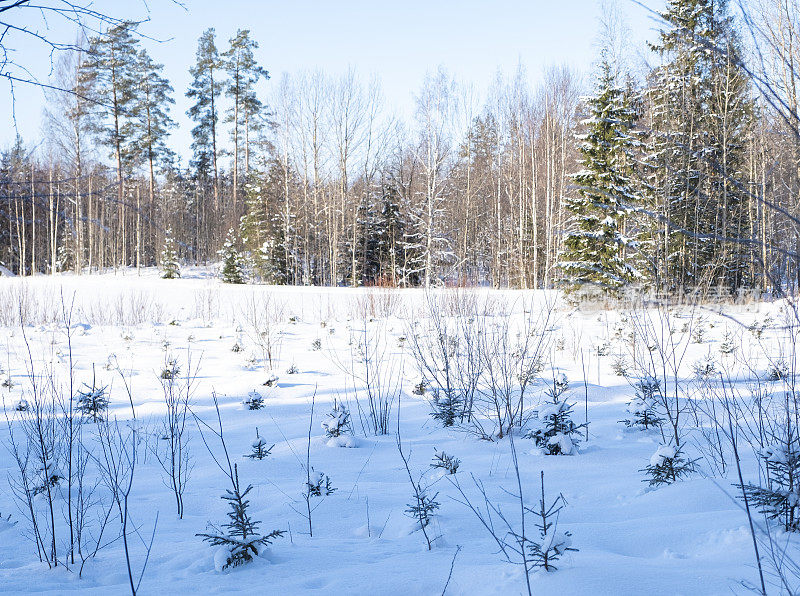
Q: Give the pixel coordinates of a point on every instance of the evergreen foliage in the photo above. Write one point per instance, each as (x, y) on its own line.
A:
(232, 271)
(170, 268)
(239, 537)
(596, 249)
(780, 498)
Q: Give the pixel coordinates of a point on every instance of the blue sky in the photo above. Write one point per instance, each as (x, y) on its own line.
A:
(398, 41)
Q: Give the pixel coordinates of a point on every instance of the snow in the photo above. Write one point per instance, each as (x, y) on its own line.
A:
(689, 537)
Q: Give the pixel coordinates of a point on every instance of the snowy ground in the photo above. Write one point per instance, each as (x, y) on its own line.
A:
(686, 538)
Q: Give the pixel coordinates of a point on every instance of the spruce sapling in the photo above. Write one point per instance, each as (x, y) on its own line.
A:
(260, 449)
(552, 543)
(239, 539)
(556, 433)
(92, 402)
(643, 407)
(668, 465)
(780, 499)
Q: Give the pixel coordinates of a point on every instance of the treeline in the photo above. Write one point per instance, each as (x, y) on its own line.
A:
(676, 176)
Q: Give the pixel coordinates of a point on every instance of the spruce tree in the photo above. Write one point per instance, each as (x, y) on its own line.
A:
(170, 268)
(595, 247)
(232, 271)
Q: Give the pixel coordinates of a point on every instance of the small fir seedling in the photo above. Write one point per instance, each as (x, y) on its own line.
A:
(556, 433)
(705, 368)
(240, 537)
(260, 449)
(643, 408)
(292, 370)
(620, 366)
(444, 461)
(778, 371)
(668, 465)
(780, 499)
(728, 345)
(419, 388)
(424, 506)
(272, 380)
(320, 486)
(254, 401)
(171, 370)
(316, 345)
(337, 421)
(92, 402)
(552, 543)
(447, 409)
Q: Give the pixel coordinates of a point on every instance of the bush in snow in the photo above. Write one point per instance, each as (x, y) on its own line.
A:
(239, 539)
(260, 449)
(555, 432)
(92, 402)
(668, 465)
(316, 345)
(552, 542)
(171, 370)
(419, 388)
(780, 499)
(22, 405)
(292, 370)
(337, 421)
(232, 271)
(443, 461)
(643, 407)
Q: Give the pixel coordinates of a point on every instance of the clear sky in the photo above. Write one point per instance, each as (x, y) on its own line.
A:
(399, 41)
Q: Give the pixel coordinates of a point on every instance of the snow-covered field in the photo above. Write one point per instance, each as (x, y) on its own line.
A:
(690, 537)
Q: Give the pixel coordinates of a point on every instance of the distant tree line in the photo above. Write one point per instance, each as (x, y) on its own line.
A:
(675, 176)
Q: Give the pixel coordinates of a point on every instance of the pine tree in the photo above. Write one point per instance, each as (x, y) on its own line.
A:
(170, 268)
(595, 248)
(108, 75)
(205, 90)
(232, 271)
(151, 121)
(243, 74)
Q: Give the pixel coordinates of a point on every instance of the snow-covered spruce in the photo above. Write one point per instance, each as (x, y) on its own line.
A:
(260, 449)
(170, 267)
(779, 499)
(595, 245)
(668, 465)
(238, 540)
(553, 429)
(337, 421)
(232, 271)
(643, 408)
(92, 402)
